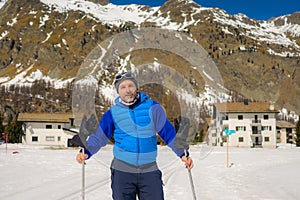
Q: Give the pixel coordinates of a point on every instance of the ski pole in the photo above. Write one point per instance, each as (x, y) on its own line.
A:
(83, 177)
(76, 140)
(191, 179)
(192, 185)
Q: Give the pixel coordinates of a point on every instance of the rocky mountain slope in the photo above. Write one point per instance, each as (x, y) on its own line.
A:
(44, 42)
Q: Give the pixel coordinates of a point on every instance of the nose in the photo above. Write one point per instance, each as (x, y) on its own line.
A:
(128, 89)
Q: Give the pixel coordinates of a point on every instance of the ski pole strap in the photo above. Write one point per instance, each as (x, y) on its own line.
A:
(185, 153)
(85, 152)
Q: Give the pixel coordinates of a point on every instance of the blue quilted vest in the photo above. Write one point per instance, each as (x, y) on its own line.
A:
(135, 134)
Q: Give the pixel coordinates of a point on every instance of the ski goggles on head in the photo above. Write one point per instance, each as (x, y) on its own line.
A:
(124, 74)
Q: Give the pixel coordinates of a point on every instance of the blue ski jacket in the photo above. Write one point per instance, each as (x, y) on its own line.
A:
(134, 131)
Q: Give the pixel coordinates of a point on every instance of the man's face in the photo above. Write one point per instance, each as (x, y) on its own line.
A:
(127, 90)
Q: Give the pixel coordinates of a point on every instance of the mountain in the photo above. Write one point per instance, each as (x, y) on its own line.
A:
(45, 43)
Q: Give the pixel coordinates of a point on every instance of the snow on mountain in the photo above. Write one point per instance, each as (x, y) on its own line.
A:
(109, 14)
(260, 31)
(2, 2)
(117, 15)
(265, 31)
(167, 23)
(27, 80)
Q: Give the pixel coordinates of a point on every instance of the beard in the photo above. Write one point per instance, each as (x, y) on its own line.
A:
(129, 97)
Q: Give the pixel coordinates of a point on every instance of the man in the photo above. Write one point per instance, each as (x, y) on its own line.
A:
(134, 121)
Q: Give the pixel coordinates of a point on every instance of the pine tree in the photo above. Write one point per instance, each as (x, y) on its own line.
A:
(14, 131)
(298, 134)
(1, 127)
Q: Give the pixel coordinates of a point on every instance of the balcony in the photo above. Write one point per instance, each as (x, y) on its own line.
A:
(256, 133)
(256, 121)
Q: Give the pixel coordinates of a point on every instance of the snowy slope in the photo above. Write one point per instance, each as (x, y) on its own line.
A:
(2, 2)
(112, 14)
(38, 173)
(264, 31)
(109, 14)
(117, 15)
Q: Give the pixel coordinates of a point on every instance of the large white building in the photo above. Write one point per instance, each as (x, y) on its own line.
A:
(47, 129)
(253, 124)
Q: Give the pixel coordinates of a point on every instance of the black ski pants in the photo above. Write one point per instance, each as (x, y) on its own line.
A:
(144, 185)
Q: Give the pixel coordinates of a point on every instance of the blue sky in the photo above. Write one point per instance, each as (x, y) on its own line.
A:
(258, 9)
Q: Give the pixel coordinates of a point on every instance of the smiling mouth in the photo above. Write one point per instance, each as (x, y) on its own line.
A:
(129, 96)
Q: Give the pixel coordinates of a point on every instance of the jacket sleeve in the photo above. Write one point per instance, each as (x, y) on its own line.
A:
(165, 129)
(102, 135)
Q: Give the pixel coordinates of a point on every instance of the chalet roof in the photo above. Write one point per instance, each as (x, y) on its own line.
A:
(241, 107)
(284, 124)
(45, 117)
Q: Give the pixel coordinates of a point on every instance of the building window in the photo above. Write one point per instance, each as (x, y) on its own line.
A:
(241, 139)
(256, 119)
(72, 121)
(240, 117)
(266, 128)
(48, 126)
(240, 128)
(266, 117)
(58, 138)
(59, 126)
(34, 139)
(267, 139)
(289, 130)
(50, 138)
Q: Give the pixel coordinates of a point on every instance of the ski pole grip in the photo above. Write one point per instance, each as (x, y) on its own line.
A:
(186, 153)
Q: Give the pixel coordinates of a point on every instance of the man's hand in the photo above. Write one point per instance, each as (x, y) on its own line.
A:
(80, 157)
(188, 162)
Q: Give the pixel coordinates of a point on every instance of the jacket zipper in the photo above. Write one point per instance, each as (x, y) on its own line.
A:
(137, 137)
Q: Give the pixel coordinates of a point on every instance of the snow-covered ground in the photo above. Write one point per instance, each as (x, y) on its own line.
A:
(41, 173)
